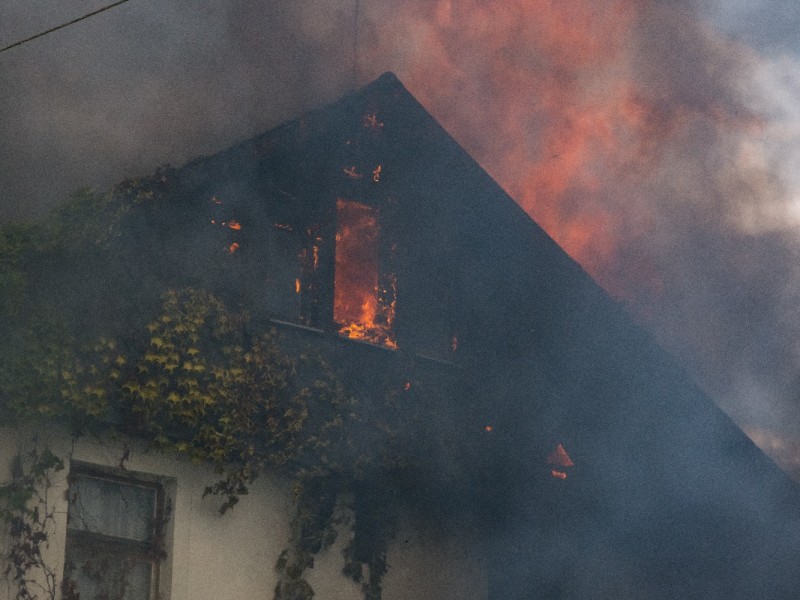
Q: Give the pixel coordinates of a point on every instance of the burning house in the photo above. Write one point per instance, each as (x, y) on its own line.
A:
(587, 463)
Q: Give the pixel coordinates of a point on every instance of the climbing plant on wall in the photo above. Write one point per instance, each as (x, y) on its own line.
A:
(29, 518)
(95, 342)
(194, 378)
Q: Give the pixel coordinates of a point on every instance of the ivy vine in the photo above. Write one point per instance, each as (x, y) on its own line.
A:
(203, 387)
(28, 516)
(89, 345)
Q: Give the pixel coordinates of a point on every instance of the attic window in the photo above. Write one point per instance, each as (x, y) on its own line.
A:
(364, 298)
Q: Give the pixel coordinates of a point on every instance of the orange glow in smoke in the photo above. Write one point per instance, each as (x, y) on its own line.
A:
(356, 304)
(525, 115)
(557, 100)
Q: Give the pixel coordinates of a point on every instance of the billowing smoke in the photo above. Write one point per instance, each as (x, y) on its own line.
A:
(658, 152)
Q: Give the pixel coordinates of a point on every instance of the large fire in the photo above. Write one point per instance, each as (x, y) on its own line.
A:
(361, 307)
(567, 104)
(535, 58)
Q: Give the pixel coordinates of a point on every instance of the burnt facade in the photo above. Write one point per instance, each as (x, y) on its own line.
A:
(603, 471)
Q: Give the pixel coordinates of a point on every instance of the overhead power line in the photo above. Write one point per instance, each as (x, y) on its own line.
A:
(56, 28)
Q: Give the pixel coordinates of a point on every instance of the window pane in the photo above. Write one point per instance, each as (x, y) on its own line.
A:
(112, 508)
(95, 574)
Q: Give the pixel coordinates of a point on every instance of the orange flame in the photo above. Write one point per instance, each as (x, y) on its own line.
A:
(558, 474)
(561, 109)
(559, 457)
(572, 38)
(297, 286)
(235, 225)
(352, 172)
(233, 247)
(364, 310)
(376, 174)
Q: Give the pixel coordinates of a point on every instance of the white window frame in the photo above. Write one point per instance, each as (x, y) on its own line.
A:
(156, 551)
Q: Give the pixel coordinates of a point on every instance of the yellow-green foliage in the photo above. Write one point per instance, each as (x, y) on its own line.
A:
(205, 389)
(84, 344)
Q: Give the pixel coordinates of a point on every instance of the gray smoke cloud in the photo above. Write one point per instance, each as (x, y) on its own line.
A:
(147, 83)
(658, 142)
(769, 25)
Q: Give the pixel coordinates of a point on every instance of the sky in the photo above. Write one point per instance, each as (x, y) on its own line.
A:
(657, 141)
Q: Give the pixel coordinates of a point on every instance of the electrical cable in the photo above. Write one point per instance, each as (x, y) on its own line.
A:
(62, 26)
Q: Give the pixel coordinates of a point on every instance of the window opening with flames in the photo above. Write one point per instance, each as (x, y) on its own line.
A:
(364, 294)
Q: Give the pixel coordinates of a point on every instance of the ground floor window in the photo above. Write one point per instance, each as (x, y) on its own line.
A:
(114, 537)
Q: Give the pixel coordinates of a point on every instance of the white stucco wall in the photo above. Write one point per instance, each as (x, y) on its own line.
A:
(232, 556)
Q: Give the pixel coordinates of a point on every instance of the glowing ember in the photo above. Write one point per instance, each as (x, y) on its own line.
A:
(352, 172)
(376, 174)
(488, 428)
(297, 285)
(560, 458)
(233, 247)
(363, 310)
(235, 225)
(370, 121)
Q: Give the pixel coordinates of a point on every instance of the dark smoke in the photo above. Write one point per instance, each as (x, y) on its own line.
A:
(680, 202)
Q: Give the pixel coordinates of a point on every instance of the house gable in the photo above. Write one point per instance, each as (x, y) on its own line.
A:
(661, 475)
(520, 351)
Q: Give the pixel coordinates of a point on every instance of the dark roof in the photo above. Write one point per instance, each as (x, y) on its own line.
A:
(667, 496)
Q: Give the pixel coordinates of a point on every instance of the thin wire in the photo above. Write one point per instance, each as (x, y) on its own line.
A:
(56, 28)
